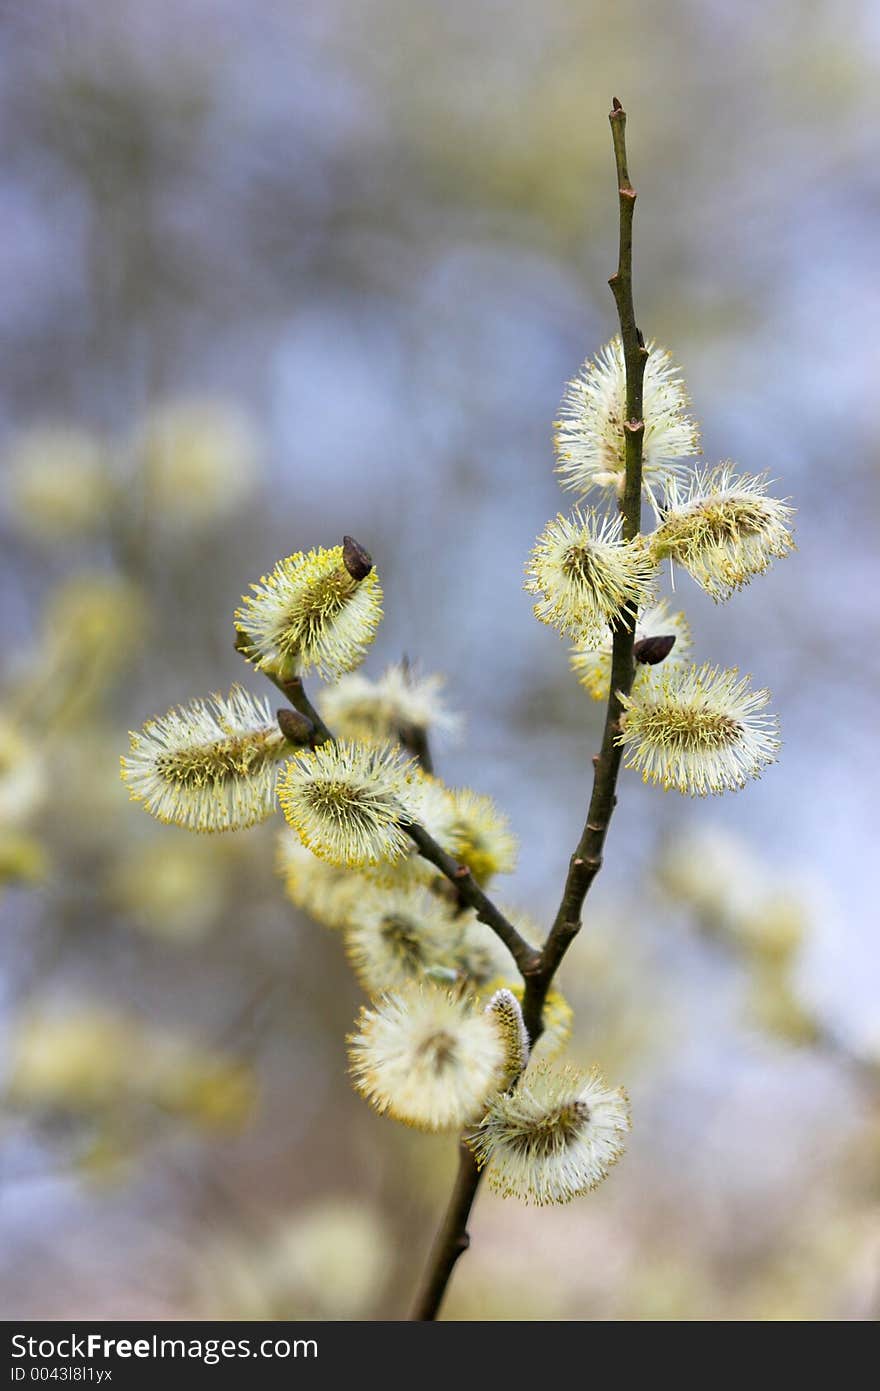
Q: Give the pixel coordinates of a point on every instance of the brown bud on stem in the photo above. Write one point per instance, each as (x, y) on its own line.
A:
(653, 650)
(296, 728)
(356, 560)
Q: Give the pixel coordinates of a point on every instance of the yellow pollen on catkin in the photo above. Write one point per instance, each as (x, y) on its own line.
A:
(346, 802)
(587, 576)
(309, 613)
(723, 529)
(590, 438)
(428, 1057)
(553, 1137)
(505, 1009)
(209, 766)
(699, 730)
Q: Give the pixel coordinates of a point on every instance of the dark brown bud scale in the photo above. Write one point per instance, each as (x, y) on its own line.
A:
(296, 728)
(356, 560)
(653, 650)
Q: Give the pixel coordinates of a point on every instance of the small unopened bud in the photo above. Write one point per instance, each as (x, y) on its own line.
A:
(356, 560)
(505, 1009)
(653, 650)
(296, 728)
(616, 104)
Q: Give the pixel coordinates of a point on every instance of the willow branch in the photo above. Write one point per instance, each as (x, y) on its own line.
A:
(415, 740)
(586, 861)
(470, 893)
(452, 1239)
(291, 687)
(458, 874)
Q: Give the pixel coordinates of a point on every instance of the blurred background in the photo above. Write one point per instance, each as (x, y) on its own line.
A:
(271, 275)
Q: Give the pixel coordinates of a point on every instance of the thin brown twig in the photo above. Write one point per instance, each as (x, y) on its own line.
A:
(469, 892)
(452, 1239)
(586, 861)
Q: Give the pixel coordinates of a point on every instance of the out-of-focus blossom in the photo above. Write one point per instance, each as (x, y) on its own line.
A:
(591, 662)
(713, 874)
(399, 703)
(23, 858)
(394, 936)
(776, 927)
(328, 893)
(88, 1057)
(775, 1006)
(59, 484)
(481, 836)
(200, 461)
(207, 1088)
(171, 888)
(329, 1262)
(23, 774)
(93, 626)
(78, 1058)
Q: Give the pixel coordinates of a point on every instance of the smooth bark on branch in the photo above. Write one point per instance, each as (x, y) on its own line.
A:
(470, 893)
(452, 1239)
(586, 861)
